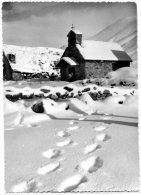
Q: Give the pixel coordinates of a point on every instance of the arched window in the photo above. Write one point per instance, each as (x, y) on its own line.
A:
(11, 58)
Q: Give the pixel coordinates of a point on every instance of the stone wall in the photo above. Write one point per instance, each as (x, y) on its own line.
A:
(94, 69)
(80, 72)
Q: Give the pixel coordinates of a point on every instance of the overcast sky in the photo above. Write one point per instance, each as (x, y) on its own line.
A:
(47, 24)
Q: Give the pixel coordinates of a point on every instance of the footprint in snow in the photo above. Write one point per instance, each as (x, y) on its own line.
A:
(32, 125)
(80, 115)
(73, 128)
(106, 117)
(72, 122)
(107, 114)
(51, 153)
(26, 186)
(74, 144)
(100, 128)
(90, 165)
(64, 143)
(82, 118)
(51, 167)
(72, 183)
(91, 148)
(103, 137)
(19, 120)
(63, 134)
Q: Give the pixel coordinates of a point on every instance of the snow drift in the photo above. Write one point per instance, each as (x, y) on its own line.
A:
(123, 76)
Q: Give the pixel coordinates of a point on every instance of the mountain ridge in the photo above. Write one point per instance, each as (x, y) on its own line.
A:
(124, 32)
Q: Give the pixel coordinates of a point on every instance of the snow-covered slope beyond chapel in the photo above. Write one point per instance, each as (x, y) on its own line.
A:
(34, 59)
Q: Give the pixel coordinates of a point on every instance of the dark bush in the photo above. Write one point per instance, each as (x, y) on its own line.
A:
(53, 97)
(94, 88)
(68, 89)
(120, 102)
(30, 96)
(72, 95)
(93, 95)
(14, 97)
(58, 94)
(38, 107)
(86, 89)
(106, 91)
(79, 93)
(45, 90)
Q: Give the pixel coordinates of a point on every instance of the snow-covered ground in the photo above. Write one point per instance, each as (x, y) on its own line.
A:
(34, 59)
(58, 138)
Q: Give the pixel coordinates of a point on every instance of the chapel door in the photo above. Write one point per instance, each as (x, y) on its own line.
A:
(71, 74)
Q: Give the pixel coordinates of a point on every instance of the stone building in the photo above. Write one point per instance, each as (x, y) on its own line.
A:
(7, 70)
(90, 59)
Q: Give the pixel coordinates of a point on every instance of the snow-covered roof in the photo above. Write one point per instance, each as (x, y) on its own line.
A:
(70, 61)
(99, 50)
(77, 31)
(33, 59)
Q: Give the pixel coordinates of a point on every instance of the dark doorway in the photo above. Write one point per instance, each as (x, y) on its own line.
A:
(71, 74)
(120, 64)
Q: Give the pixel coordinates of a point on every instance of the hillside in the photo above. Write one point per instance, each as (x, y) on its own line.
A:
(124, 32)
(34, 59)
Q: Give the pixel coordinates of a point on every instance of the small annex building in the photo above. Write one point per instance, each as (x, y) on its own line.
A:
(90, 59)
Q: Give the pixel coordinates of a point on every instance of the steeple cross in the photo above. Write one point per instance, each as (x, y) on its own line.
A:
(72, 27)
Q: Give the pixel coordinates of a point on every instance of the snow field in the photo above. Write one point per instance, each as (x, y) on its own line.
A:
(84, 105)
(89, 165)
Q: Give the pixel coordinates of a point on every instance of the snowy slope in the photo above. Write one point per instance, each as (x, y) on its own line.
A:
(34, 59)
(124, 32)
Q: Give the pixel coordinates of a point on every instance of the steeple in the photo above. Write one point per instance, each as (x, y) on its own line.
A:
(74, 37)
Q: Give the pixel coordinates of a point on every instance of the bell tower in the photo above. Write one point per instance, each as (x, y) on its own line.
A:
(74, 37)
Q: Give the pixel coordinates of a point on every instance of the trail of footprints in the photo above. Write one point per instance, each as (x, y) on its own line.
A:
(87, 166)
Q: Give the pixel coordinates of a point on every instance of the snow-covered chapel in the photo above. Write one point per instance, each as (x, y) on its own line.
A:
(90, 59)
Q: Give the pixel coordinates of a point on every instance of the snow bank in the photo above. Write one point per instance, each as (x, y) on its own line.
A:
(65, 92)
(123, 76)
(52, 102)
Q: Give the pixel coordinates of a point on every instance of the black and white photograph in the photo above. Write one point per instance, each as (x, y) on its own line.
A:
(70, 97)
